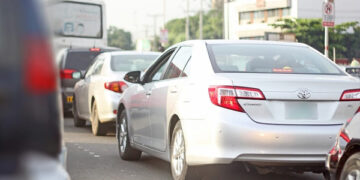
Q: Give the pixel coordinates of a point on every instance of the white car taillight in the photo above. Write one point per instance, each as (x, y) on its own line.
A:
(226, 96)
(249, 93)
(116, 86)
(351, 95)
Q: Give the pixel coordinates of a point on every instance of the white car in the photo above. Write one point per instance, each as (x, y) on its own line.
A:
(267, 105)
(97, 95)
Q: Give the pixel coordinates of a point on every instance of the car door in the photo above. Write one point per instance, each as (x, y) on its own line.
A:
(163, 95)
(94, 81)
(82, 92)
(139, 108)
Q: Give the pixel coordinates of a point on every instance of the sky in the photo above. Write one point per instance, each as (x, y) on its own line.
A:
(136, 16)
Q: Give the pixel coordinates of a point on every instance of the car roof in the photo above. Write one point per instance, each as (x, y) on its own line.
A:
(88, 50)
(259, 42)
(133, 53)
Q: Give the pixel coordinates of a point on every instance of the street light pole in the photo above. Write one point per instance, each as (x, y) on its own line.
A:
(164, 12)
(326, 51)
(226, 21)
(201, 20)
(326, 42)
(187, 33)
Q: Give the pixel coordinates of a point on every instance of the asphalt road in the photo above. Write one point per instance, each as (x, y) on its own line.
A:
(97, 158)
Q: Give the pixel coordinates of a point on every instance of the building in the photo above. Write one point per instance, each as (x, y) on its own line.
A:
(215, 4)
(250, 19)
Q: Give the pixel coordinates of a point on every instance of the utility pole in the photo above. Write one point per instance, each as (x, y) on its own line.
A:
(187, 26)
(201, 20)
(326, 41)
(226, 17)
(155, 16)
(164, 13)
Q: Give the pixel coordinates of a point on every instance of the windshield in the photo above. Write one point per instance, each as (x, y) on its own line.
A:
(131, 62)
(80, 60)
(252, 58)
(72, 19)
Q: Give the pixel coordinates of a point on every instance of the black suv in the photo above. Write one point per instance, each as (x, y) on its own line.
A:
(74, 60)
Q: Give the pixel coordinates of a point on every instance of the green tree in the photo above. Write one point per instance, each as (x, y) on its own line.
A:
(212, 27)
(119, 38)
(311, 32)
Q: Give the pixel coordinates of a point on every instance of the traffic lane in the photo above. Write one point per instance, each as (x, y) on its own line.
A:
(91, 157)
(94, 158)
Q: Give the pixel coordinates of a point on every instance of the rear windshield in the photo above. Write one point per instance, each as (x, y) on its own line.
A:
(269, 59)
(80, 60)
(131, 62)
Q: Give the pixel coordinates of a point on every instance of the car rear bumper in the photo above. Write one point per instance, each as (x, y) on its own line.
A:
(67, 95)
(109, 106)
(226, 136)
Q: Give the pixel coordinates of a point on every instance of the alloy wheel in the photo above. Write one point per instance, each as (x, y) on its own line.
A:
(122, 135)
(353, 175)
(178, 154)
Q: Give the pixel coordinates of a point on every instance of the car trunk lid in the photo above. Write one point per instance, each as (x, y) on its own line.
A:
(297, 99)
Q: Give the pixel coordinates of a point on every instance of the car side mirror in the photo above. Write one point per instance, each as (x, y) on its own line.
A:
(133, 77)
(77, 75)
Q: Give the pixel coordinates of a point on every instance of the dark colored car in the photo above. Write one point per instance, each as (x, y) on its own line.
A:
(354, 71)
(70, 61)
(29, 105)
(343, 161)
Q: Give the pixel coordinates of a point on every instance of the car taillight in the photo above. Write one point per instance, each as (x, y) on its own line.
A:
(351, 95)
(116, 86)
(66, 73)
(344, 136)
(40, 74)
(95, 49)
(226, 96)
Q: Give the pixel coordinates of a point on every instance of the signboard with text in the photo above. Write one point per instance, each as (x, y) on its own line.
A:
(328, 14)
(164, 36)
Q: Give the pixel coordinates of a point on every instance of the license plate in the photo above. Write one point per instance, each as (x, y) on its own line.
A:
(301, 111)
(69, 99)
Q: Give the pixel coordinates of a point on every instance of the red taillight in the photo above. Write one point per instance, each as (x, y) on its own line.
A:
(116, 86)
(344, 136)
(95, 49)
(226, 96)
(40, 74)
(67, 73)
(350, 95)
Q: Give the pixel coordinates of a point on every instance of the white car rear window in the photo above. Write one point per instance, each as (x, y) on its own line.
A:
(254, 58)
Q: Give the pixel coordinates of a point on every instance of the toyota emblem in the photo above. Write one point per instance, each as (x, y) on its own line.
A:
(303, 94)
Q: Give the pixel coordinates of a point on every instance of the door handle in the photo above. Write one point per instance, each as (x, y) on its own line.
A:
(148, 93)
(173, 90)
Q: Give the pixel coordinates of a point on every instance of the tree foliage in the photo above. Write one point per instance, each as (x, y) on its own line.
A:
(212, 27)
(119, 38)
(344, 37)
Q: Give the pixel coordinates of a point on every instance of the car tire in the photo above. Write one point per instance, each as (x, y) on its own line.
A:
(351, 168)
(179, 168)
(125, 150)
(98, 129)
(78, 122)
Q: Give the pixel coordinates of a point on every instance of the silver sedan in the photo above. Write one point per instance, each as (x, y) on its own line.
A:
(268, 105)
(97, 95)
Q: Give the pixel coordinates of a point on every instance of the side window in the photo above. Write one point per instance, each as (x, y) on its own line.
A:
(187, 68)
(92, 68)
(99, 66)
(159, 70)
(178, 63)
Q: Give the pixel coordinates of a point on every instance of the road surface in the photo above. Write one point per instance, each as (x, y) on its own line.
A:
(97, 158)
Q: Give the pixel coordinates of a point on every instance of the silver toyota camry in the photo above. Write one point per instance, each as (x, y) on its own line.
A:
(97, 95)
(264, 104)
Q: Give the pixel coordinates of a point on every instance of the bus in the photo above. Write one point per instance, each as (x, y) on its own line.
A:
(78, 23)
